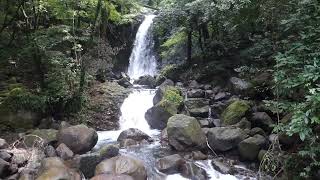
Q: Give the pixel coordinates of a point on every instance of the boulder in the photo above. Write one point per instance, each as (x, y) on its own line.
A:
(250, 147)
(3, 144)
(262, 120)
(196, 93)
(240, 86)
(243, 124)
(109, 151)
(257, 130)
(198, 107)
(50, 151)
(198, 155)
(184, 132)
(133, 134)
(234, 112)
(146, 80)
(170, 164)
(64, 152)
(122, 165)
(80, 139)
(221, 96)
(4, 168)
(45, 136)
(111, 177)
(207, 87)
(5, 155)
(87, 163)
(157, 116)
(225, 138)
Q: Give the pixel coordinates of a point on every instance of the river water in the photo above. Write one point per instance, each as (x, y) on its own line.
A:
(133, 109)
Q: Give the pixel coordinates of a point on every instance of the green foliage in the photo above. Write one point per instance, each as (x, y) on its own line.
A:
(173, 96)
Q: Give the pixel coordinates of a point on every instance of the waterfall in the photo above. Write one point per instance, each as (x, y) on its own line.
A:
(142, 60)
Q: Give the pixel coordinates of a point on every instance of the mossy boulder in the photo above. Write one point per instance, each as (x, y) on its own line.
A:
(184, 133)
(234, 112)
(41, 135)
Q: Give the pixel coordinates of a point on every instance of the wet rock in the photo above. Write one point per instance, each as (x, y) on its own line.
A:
(184, 132)
(80, 139)
(170, 164)
(64, 152)
(198, 155)
(209, 94)
(204, 123)
(243, 124)
(207, 87)
(191, 171)
(157, 116)
(146, 80)
(111, 177)
(45, 136)
(257, 130)
(250, 147)
(222, 167)
(50, 151)
(196, 93)
(4, 168)
(5, 156)
(234, 112)
(261, 154)
(3, 144)
(225, 138)
(133, 134)
(125, 82)
(122, 165)
(221, 96)
(262, 120)
(240, 86)
(109, 151)
(198, 107)
(194, 84)
(87, 163)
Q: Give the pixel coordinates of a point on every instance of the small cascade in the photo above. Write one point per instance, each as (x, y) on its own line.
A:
(142, 60)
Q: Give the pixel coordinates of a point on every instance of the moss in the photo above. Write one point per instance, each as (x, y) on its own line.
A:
(172, 95)
(169, 107)
(234, 112)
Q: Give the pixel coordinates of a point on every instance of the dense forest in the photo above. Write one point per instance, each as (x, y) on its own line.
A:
(257, 62)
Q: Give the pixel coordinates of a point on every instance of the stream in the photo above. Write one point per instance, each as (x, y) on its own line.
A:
(134, 107)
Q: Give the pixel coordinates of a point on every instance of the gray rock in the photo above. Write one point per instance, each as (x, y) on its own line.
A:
(146, 80)
(243, 124)
(170, 164)
(87, 163)
(134, 134)
(111, 177)
(198, 107)
(207, 87)
(123, 165)
(194, 84)
(50, 151)
(125, 82)
(64, 152)
(80, 139)
(221, 96)
(3, 144)
(198, 155)
(109, 151)
(158, 115)
(225, 138)
(4, 168)
(262, 120)
(257, 130)
(239, 85)
(5, 156)
(161, 90)
(222, 167)
(196, 93)
(249, 148)
(184, 132)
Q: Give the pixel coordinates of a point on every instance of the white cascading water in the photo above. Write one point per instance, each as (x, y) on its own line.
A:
(142, 59)
(133, 109)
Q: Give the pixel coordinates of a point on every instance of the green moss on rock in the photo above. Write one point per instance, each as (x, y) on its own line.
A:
(234, 112)
(172, 95)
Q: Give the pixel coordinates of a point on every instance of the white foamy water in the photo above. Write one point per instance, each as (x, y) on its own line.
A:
(142, 60)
